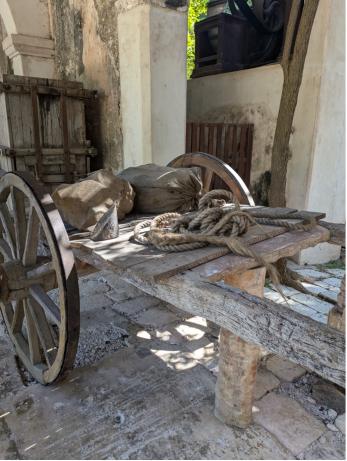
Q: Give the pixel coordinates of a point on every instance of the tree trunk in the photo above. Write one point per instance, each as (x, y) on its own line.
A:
(293, 60)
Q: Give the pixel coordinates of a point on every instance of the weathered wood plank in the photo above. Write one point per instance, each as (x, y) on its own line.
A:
(159, 265)
(275, 327)
(170, 264)
(337, 232)
(284, 245)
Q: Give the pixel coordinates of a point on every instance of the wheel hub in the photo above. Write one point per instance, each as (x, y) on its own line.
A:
(13, 282)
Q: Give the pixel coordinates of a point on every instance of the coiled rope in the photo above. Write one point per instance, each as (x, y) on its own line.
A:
(213, 223)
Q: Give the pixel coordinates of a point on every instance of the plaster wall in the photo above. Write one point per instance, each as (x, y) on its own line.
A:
(26, 37)
(26, 17)
(247, 96)
(326, 182)
(316, 172)
(153, 83)
(132, 52)
(86, 50)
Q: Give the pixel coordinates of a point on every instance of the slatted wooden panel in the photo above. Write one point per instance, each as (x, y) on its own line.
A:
(42, 128)
(230, 142)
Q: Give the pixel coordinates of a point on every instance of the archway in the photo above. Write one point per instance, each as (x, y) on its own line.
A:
(28, 43)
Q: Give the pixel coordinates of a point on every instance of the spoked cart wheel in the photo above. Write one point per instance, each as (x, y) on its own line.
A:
(39, 295)
(216, 174)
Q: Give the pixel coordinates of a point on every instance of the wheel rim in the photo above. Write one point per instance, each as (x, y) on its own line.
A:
(214, 166)
(44, 331)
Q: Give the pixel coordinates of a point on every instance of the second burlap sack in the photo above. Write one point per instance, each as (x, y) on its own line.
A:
(161, 189)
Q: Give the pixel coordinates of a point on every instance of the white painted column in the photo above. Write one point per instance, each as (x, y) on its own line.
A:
(326, 189)
(152, 58)
(30, 56)
(316, 171)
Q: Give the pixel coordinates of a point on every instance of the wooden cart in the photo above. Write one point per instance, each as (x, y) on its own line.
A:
(39, 293)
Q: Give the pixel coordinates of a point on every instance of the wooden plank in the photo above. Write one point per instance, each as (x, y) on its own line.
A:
(337, 232)
(234, 156)
(249, 151)
(36, 131)
(275, 327)
(227, 143)
(19, 152)
(170, 264)
(189, 137)
(75, 121)
(195, 137)
(80, 93)
(219, 140)
(159, 265)
(204, 133)
(66, 141)
(4, 122)
(242, 152)
(50, 116)
(285, 245)
(50, 160)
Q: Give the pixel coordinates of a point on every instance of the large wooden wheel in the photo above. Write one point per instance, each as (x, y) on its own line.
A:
(39, 294)
(215, 169)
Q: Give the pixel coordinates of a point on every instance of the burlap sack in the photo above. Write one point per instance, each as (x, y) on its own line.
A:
(82, 204)
(161, 189)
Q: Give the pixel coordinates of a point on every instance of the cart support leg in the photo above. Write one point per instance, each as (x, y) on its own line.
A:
(238, 361)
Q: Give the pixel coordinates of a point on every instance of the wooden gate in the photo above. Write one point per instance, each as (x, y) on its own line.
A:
(229, 142)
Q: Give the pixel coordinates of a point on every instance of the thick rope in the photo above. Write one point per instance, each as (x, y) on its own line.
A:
(212, 225)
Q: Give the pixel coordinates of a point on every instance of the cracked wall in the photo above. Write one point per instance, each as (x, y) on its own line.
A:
(86, 48)
(249, 96)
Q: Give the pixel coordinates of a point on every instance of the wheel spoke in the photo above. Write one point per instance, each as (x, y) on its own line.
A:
(44, 331)
(18, 317)
(33, 338)
(208, 175)
(8, 312)
(19, 220)
(42, 298)
(41, 271)
(31, 239)
(5, 250)
(8, 227)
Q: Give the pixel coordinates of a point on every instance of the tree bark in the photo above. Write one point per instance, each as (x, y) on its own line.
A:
(293, 59)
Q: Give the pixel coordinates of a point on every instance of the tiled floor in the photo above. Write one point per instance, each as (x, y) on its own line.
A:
(143, 388)
(318, 280)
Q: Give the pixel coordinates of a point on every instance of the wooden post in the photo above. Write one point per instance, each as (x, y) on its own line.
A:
(293, 59)
(238, 361)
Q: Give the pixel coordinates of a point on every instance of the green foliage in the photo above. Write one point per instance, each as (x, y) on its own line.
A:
(338, 264)
(197, 10)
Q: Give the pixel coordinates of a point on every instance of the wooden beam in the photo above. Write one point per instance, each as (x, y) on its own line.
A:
(337, 232)
(275, 327)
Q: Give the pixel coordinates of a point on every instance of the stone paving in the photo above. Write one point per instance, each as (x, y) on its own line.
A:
(143, 388)
(323, 284)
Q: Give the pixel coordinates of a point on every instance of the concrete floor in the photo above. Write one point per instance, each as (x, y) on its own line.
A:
(143, 388)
